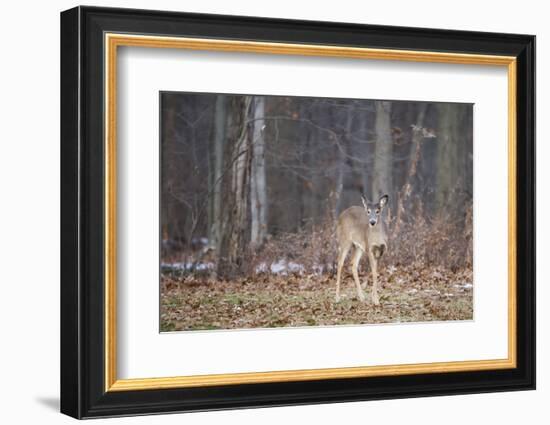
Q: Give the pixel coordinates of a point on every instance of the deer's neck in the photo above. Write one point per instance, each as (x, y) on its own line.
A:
(377, 233)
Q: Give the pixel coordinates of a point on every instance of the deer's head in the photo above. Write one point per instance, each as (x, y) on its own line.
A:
(374, 209)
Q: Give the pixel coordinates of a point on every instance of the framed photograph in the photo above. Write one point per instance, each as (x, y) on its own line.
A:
(261, 212)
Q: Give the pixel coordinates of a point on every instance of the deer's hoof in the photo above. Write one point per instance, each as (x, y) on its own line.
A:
(337, 299)
(376, 300)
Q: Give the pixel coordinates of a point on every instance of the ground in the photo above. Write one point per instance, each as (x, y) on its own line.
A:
(408, 294)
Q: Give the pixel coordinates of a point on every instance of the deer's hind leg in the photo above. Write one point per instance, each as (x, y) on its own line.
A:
(354, 265)
(343, 250)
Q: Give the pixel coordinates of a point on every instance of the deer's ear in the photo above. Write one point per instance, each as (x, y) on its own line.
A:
(383, 201)
(364, 202)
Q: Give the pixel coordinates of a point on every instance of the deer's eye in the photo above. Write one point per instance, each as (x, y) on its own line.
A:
(377, 211)
(368, 211)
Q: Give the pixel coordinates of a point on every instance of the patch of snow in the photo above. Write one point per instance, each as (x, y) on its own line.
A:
(466, 285)
(261, 268)
(200, 240)
(278, 267)
(281, 267)
(295, 267)
(187, 266)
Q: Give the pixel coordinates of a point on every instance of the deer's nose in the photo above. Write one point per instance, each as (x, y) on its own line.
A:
(372, 222)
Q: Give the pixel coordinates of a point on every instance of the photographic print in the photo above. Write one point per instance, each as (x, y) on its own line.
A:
(338, 201)
(286, 211)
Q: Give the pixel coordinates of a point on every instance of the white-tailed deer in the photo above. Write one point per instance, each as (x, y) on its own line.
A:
(364, 229)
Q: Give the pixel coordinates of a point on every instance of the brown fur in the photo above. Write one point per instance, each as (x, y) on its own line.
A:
(355, 231)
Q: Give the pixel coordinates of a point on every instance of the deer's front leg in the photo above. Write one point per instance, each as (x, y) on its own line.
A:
(365, 284)
(342, 254)
(355, 264)
(374, 268)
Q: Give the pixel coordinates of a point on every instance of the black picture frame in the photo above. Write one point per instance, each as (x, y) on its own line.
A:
(83, 392)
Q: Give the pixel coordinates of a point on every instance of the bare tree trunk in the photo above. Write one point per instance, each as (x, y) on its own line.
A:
(233, 240)
(307, 201)
(240, 189)
(217, 164)
(168, 172)
(342, 150)
(406, 190)
(258, 188)
(383, 182)
(448, 154)
(339, 187)
(363, 153)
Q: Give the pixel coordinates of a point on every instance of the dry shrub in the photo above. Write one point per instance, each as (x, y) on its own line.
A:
(309, 251)
(443, 239)
(423, 240)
